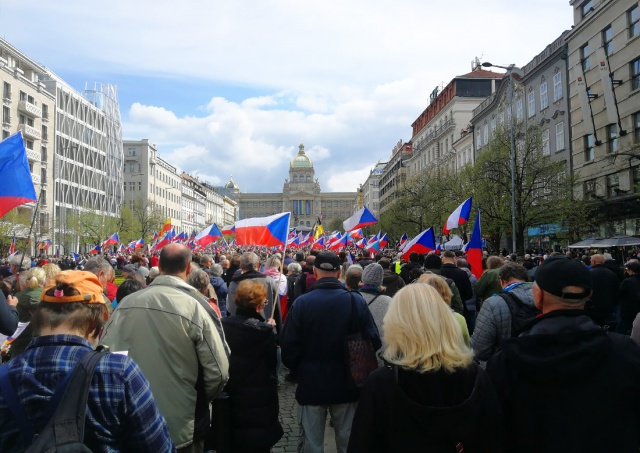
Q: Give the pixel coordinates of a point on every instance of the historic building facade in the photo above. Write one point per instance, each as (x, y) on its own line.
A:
(301, 195)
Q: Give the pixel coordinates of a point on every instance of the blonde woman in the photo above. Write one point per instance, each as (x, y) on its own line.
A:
(432, 396)
(50, 270)
(440, 284)
(28, 300)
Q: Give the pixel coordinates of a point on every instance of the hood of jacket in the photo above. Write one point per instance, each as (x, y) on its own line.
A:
(561, 346)
(524, 293)
(248, 275)
(272, 272)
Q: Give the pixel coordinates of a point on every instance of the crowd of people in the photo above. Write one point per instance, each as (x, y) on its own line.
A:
(540, 354)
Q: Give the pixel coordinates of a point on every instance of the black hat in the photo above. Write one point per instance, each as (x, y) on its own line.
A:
(557, 272)
(327, 261)
(634, 266)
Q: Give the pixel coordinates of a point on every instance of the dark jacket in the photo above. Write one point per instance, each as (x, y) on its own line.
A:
(291, 282)
(460, 278)
(406, 270)
(392, 282)
(303, 283)
(227, 274)
(568, 386)
(8, 316)
(629, 298)
(313, 342)
(253, 384)
(605, 285)
(272, 295)
(221, 290)
(427, 412)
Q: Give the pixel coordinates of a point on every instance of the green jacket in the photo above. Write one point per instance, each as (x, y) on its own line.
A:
(28, 300)
(488, 284)
(171, 337)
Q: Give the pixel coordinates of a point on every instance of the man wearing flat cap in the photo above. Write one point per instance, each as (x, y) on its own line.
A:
(566, 384)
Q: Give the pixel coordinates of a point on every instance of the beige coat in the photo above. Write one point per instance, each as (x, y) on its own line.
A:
(168, 333)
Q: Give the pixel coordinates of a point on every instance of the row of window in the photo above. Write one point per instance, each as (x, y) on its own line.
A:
(613, 139)
(612, 184)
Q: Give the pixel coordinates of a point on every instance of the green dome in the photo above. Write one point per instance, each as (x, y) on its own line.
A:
(301, 160)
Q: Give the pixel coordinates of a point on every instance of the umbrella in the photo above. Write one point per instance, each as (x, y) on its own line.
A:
(616, 241)
(584, 244)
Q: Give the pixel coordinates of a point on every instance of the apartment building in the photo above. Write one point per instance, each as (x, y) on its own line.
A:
(27, 107)
(369, 192)
(604, 87)
(394, 174)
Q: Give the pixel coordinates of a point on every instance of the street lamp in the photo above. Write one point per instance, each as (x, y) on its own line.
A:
(512, 137)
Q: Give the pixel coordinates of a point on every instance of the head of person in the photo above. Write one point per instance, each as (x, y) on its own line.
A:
(414, 257)
(326, 264)
(353, 276)
(175, 260)
(225, 264)
(299, 258)
(561, 284)
(199, 280)
(51, 270)
(372, 276)
(206, 261)
(494, 262)
(273, 261)
(71, 303)
(215, 270)
(294, 268)
(597, 259)
(34, 278)
(432, 261)
(462, 263)
(127, 287)
(251, 295)
(448, 257)
(101, 268)
(385, 263)
(512, 273)
(440, 284)
(235, 261)
(421, 332)
(249, 261)
(309, 261)
(632, 267)
(415, 273)
(19, 263)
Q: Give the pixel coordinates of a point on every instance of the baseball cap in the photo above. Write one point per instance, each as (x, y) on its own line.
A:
(327, 261)
(84, 282)
(557, 272)
(129, 268)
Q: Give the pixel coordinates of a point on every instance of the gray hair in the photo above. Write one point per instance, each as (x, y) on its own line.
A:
(273, 261)
(21, 262)
(216, 270)
(295, 268)
(97, 264)
(198, 279)
(205, 259)
(249, 261)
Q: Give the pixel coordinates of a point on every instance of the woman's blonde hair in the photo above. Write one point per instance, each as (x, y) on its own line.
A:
(273, 261)
(421, 332)
(35, 277)
(51, 270)
(440, 284)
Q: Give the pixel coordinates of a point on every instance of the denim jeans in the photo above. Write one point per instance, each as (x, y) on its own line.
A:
(313, 420)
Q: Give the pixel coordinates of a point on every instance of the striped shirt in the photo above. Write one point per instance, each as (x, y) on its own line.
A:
(121, 412)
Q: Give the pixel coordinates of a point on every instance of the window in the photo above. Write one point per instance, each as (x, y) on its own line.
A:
(607, 40)
(559, 136)
(544, 99)
(485, 134)
(131, 152)
(636, 126)
(519, 110)
(493, 126)
(586, 8)
(45, 111)
(479, 136)
(635, 74)
(5, 134)
(6, 90)
(613, 185)
(531, 109)
(584, 57)
(45, 134)
(590, 188)
(612, 134)
(6, 115)
(633, 17)
(29, 144)
(557, 87)
(545, 142)
(23, 96)
(589, 147)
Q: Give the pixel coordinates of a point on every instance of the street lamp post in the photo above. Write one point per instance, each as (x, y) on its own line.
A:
(512, 139)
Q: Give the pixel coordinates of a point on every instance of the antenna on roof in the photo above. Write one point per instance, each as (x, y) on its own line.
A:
(475, 64)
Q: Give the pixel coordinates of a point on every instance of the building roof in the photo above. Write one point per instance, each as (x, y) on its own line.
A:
(301, 160)
(483, 73)
(231, 185)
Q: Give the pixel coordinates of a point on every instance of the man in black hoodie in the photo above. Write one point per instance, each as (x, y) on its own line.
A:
(566, 384)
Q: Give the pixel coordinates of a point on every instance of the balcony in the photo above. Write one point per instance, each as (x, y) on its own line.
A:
(29, 131)
(35, 178)
(30, 109)
(34, 155)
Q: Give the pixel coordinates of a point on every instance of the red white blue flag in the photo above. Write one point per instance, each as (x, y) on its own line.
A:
(458, 217)
(474, 249)
(210, 234)
(425, 242)
(360, 219)
(269, 231)
(16, 187)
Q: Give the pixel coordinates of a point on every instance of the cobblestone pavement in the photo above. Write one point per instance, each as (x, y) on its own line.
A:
(289, 421)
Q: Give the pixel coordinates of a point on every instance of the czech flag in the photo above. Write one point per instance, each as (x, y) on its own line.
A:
(356, 234)
(229, 229)
(208, 235)
(360, 219)
(319, 244)
(166, 239)
(458, 217)
(139, 243)
(267, 231)
(12, 248)
(113, 240)
(294, 242)
(180, 238)
(425, 242)
(17, 187)
(95, 250)
(306, 240)
(374, 246)
(403, 240)
(155, 236)
(46, 245)
(340, 243)
(165, 228)
(384, 241)
(474, 249)
(362, 243)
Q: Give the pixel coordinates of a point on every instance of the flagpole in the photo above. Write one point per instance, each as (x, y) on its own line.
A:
(33, 221)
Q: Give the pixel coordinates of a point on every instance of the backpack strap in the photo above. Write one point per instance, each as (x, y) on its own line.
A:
(371, 301)
(68, 420)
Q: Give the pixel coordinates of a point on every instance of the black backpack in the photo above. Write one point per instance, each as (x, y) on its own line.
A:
(522, 316)
(64, 431)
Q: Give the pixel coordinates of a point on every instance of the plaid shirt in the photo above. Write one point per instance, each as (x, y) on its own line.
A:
(121, 412)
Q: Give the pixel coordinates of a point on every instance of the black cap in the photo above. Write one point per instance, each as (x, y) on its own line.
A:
(557, 272)
(327, 261)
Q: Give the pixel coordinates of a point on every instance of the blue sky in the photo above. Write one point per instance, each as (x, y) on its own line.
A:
(232, 87)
